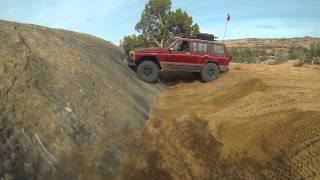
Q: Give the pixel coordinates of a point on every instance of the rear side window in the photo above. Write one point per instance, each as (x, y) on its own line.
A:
(218, 50)
(199, 47)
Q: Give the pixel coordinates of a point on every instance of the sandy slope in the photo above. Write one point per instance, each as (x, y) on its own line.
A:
(65, 99)
(255, 122)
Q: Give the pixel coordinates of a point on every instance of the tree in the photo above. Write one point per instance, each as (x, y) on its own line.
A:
(154, 21)
(134, 42)
(158, 23)
(180, 23)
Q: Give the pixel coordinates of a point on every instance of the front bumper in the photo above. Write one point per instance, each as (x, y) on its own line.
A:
(224, 68)
(129, 58)
(131, 62)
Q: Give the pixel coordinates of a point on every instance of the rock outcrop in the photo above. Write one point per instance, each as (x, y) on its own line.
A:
(67, 102)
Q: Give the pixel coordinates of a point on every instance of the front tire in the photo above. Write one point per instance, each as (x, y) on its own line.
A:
(148, 71)
(210, 72)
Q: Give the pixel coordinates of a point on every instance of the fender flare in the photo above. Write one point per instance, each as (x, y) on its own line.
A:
(211, 61)
(149, 58)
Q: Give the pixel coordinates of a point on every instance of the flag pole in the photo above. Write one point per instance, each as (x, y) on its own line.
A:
(225, 28)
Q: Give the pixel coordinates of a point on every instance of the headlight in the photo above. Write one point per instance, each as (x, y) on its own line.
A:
(132, 55)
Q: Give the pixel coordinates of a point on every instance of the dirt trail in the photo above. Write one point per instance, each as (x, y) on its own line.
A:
(255, 122)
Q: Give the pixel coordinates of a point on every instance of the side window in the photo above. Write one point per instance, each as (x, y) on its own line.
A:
(218, 49)
(199, 47)
(182, 46)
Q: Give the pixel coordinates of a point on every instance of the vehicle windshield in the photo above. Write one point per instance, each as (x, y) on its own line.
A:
(169, 42)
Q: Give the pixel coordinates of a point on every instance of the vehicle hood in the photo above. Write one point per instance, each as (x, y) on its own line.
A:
(151, 50)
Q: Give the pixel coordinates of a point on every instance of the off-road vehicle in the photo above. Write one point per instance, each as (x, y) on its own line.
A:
(200, 55)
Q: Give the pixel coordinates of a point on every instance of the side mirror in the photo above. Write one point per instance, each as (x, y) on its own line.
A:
(230, 58)
(171, 49)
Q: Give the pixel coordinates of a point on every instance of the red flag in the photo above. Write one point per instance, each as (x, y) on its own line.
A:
(228, 18)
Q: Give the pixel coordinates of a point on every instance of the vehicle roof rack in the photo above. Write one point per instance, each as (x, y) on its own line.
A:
(202, 36)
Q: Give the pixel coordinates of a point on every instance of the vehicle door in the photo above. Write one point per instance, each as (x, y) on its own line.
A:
(218, 53)
(179, 55)
(199, 54)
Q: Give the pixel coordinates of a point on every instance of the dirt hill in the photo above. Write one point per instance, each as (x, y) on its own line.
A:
(66, 102)
(257, 121)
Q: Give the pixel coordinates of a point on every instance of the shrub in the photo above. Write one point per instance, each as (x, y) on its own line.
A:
(298, 52)
(299, 63)
(281, 57)
(314, 54)
(134, 42)
(246, 55)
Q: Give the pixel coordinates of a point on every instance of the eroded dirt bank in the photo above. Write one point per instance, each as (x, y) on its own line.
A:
(67, 101)
(255, 122)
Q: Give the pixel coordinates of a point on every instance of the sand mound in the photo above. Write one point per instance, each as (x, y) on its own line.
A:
(255, 122)
(66, 101)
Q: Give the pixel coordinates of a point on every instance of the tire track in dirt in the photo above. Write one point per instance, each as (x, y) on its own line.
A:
(255, 122)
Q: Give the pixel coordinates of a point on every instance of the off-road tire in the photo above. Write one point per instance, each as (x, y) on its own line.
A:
(210, 72)
(148, 71)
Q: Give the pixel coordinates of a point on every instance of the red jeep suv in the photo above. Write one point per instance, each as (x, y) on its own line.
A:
(206, 57)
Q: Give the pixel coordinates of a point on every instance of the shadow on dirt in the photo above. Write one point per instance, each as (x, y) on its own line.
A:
(188, 150)
(171, 77)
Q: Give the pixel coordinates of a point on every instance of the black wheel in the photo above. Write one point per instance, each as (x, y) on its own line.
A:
(210, 72)
(148, 71)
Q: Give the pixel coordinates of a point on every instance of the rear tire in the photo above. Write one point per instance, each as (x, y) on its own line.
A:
(148, 71)
(210, 72)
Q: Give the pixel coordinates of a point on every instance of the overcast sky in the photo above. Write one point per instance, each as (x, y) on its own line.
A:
(112, 19)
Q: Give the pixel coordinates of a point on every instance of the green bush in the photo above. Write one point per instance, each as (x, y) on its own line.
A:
(305, 55)
(247, 55)
(298, 52)
(134, 42)
(281, 57)
(314, 54)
